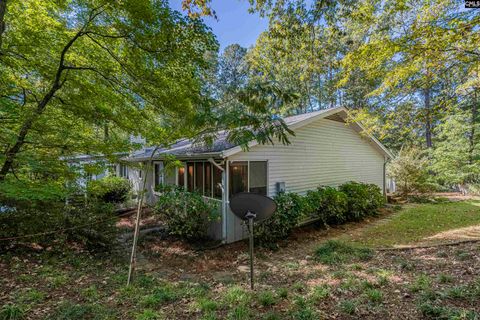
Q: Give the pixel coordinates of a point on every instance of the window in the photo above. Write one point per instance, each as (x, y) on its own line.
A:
(248, 176)
(190, 176)
(202, 177)
(181, 176)
(158, 176)
(199, 177)
(258, 177)
(123, 171)
(217, 183)
(169, 176)
(207, 173)
(238, 177)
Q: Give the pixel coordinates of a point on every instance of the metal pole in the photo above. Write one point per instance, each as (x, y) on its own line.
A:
(250, 222)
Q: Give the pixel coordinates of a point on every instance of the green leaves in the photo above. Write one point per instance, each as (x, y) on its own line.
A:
(82, 76)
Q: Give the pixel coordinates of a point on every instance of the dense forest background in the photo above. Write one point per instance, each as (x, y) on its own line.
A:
(409, 70)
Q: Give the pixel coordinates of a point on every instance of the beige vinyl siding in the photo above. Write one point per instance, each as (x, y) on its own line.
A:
(324, 152)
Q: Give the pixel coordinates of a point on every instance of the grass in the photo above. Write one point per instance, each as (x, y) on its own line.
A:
(374, 295)
(348, 306)
(417, 221)
(148, 314)
(267, 298)
(160, 295)
(70, 310)
(320, 292)
(336, 252)
(338, 277)
(432, 311)
(207, 305)
(12, 311)
(421, 283)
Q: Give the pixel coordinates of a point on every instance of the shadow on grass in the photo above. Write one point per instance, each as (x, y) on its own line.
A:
(335, 252)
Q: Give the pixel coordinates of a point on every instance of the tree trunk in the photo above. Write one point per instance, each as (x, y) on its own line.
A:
(106, 133)
(11, 153)
(428, 118)
(472, 141)
(3, 9)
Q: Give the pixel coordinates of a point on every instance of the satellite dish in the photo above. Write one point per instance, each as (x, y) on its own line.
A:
(261, 206)
(252, 206)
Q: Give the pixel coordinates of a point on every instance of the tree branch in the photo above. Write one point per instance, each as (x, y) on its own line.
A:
(12, 152)
(3, 9)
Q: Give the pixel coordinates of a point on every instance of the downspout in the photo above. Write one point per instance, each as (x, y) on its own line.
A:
(385, 177)
(224, 199)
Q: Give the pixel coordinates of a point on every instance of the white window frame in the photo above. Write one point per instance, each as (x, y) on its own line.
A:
(185, 177)
(160, 163)
(248, 173)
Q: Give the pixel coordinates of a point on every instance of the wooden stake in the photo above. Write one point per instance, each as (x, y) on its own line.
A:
(133, 255)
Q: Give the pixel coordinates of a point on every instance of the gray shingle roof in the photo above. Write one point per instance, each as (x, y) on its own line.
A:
(187, 148)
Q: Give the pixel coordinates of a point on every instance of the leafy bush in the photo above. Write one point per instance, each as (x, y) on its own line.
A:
(279, 226)
(186, 214)
(362, 199)
(90, 226)
(110, 189)
(409, 170)
(94, 225)
(328, 204)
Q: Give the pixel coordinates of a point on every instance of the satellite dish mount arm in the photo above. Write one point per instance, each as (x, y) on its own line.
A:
(251, 216)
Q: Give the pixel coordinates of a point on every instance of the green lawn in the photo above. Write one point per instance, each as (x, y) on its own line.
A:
(297, 282)
(417, 221)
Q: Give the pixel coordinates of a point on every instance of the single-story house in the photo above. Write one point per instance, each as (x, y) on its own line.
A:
(325, 150)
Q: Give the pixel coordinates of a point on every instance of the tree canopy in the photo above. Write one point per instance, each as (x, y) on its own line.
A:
(407, 69)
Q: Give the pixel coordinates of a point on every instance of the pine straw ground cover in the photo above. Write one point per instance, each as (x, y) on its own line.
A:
(307, 278)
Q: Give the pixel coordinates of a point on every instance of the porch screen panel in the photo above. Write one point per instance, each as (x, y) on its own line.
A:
(217, 183)
(258, 177)
(207, 167)
(190, 176)
(181, 176)
(199, 177)
(238, 177)
(157, 173)
(170, 177)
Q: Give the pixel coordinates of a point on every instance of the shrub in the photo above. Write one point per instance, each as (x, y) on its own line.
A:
(186, 214)
(94, 223)
(110, 189)
(328, 204)
(408, 169)
(279, 226)
(91, 226)
(362, 199)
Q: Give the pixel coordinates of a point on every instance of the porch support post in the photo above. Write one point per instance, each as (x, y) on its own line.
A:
(224, 195)
(385, 178)
(225, 201)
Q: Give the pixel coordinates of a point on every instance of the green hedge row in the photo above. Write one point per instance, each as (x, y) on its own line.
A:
(187, 214)
(352, 201)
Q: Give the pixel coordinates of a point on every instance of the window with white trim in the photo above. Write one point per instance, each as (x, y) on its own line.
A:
(157, 173)
(248, 176)
(123, 171)
(202, 177)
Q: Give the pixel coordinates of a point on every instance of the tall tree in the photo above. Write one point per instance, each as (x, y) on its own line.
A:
(232, 68)
(70, 67)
